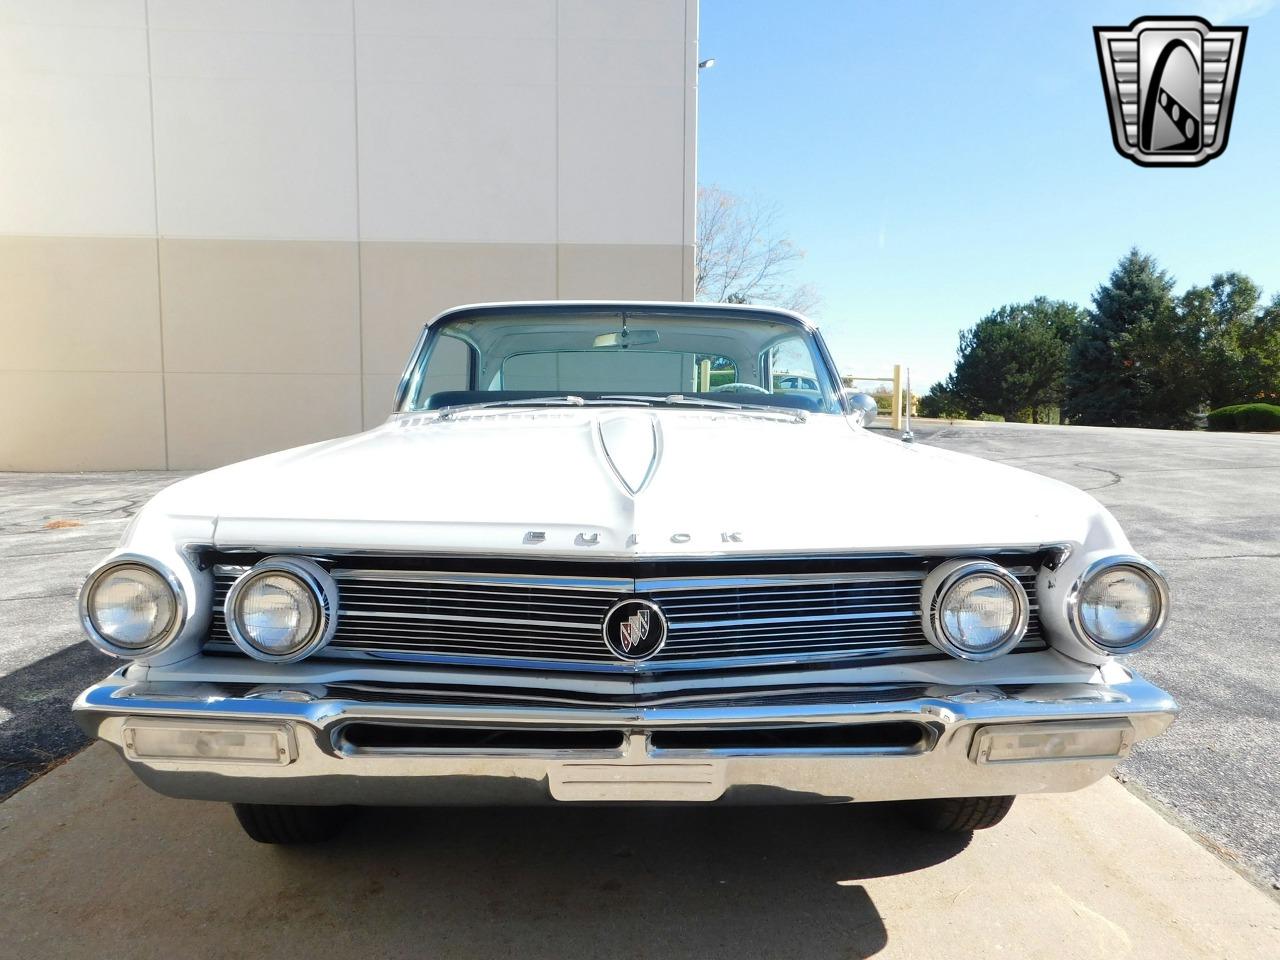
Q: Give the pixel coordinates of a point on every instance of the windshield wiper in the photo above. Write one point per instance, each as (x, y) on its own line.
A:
(563, 400)
(673, 399)
(680, 400)
(560, 400)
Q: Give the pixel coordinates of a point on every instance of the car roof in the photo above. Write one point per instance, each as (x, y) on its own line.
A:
(693, 308)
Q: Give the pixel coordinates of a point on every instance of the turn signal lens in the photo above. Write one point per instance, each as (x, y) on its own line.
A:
(209, 741)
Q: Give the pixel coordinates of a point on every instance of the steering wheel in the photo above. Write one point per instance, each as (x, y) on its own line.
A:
(736, 387)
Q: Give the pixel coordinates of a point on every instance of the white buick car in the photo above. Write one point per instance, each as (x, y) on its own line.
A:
(569, 568)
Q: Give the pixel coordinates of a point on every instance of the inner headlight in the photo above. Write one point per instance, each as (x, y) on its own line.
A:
(282, 609)
(1120, 605)
(129, 608)
(974, 609)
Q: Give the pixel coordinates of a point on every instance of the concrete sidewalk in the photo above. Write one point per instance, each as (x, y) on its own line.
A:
(97, 866)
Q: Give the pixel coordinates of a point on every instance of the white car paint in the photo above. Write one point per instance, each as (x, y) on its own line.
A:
(521, 482)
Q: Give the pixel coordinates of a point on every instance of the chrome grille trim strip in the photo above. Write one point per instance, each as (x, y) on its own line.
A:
(715, 622)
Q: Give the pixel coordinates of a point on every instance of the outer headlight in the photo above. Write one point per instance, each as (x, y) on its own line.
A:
(1119, 604)
(130, 608)
(282, 610)
(974, 609)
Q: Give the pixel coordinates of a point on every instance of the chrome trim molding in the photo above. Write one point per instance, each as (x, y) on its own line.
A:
(324, 773)
(166, 639)
(943, 580)
(323, 590)
(1143, 567)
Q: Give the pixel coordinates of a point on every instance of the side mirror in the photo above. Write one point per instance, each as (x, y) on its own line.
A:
(864, 407)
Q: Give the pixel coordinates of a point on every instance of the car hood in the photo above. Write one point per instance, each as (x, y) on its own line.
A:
(623, 482)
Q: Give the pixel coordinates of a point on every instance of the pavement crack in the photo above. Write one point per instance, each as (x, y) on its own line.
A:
(1115, 477)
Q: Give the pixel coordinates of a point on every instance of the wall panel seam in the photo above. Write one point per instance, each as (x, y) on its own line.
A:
(155, 213)
(355, 140)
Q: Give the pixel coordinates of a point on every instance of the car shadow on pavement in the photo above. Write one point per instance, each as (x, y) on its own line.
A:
(39, 730)
(651, 881)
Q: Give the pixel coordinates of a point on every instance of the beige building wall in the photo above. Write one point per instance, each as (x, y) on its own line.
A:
(223, 224)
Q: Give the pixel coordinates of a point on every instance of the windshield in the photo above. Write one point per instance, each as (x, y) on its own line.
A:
(527, 355)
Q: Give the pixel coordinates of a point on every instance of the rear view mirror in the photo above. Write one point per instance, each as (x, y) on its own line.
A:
(627, 338)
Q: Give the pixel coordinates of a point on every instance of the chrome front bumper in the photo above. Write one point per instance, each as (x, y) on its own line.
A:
(813, 743)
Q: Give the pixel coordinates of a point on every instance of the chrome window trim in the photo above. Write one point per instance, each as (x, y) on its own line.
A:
(181, 607)
(411, 377)
(931, 600)
(1146, 569)
(314, 578)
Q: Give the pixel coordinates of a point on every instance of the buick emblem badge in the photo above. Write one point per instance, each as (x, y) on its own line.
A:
(635, 629)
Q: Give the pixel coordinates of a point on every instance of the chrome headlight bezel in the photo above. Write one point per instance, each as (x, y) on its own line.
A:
(171, 631)
(318, 584)
(945, 578)
(1148, 572)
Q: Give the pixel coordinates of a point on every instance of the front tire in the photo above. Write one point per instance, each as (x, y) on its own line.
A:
(280, 823)
(958, 814)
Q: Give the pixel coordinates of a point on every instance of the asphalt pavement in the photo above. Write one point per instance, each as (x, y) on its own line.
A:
(53, 529)
(1204, 508)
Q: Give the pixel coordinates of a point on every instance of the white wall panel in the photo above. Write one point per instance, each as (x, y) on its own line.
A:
(453, 163)
(633, 19)
(622, 155)
(74, 13)
(75, 128)
(622, 135)
(254, 132)
(269, 16)
(458, 18)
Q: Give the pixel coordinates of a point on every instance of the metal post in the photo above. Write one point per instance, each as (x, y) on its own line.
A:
(704, 376)
(895, 422)
(907, 435)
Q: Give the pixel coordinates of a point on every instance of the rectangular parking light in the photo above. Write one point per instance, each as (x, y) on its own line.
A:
(1067, 740)
(205, 741)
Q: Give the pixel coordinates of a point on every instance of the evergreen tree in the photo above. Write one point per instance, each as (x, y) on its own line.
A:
(1014, 360)
(1110, 380)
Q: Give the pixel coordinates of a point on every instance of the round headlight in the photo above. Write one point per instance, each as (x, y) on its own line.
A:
(1120, 604)
(130, 608)
(974, 609)
(282, 609)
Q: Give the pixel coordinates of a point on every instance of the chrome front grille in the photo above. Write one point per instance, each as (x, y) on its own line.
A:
(554, 622)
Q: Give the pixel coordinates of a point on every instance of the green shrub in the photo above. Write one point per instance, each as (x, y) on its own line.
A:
(990, 418)
(1245, 416)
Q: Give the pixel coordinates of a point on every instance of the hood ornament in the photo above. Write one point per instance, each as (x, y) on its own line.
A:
(630, 444)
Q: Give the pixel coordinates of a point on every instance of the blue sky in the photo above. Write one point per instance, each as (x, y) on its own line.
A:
(938, 159)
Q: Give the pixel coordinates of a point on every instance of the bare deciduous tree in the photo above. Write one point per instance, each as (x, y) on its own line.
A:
(741, 255)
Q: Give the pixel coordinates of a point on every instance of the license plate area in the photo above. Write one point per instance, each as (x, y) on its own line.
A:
(610, 781)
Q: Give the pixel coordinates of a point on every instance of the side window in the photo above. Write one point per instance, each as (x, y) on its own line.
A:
(791, 369)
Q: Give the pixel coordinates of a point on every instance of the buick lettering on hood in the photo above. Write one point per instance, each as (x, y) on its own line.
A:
(620, 553)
